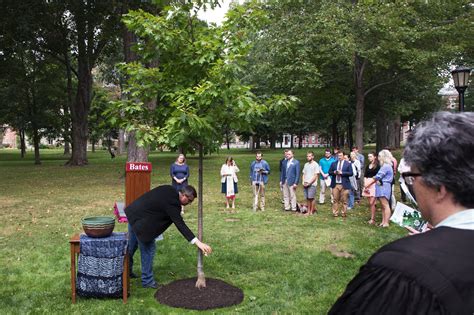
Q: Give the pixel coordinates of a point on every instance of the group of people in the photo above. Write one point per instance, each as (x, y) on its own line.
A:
(427, 273)
(346, 176)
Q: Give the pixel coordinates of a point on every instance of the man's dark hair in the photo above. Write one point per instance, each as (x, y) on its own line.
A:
(259, 152)
(327, 150)
(189, 191)
(441, 149)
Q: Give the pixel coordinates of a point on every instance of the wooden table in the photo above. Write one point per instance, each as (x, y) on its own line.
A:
(75, 243)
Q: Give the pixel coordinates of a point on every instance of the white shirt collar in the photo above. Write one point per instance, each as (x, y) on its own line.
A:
(460, 220)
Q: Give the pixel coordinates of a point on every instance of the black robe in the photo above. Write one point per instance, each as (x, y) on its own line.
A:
(152, 213)
(428, 273)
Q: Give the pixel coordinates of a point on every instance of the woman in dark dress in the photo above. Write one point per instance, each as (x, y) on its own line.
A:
(179, 172)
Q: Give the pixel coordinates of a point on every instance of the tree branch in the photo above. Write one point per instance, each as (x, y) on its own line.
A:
(381, 84)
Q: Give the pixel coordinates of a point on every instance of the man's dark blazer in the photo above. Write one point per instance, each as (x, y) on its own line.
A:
(152, 213)
(346, 173)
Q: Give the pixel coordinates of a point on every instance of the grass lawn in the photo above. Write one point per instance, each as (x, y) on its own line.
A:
(284, 263)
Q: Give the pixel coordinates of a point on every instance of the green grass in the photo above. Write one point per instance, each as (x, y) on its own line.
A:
(281, 261)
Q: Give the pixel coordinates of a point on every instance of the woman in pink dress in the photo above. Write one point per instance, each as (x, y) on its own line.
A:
(370, 171)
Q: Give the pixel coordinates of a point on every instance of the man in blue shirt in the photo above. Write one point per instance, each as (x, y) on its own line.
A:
(259, 170)
(325, 164)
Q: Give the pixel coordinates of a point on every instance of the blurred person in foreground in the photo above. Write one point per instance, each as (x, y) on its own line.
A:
(431, 272)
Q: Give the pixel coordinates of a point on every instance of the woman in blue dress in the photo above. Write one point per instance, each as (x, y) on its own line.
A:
(383, 185)
(179, 172)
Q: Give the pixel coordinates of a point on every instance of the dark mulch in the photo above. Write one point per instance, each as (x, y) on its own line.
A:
(184, 294)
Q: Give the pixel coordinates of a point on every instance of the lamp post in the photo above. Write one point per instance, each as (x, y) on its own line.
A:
(461, 81)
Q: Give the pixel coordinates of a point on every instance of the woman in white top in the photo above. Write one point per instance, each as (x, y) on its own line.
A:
(229, 181)
(354, 179)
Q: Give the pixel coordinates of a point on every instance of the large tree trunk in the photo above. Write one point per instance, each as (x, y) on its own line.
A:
(396, 132)
(136, 153)
(201, 279)
(81, 106)
(391, 131)
(300, 141)
(79, 115)
(359, 67)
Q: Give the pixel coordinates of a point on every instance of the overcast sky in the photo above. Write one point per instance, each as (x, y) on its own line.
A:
(216, 15)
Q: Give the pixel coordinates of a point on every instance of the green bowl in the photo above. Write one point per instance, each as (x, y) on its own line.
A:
(98, 220)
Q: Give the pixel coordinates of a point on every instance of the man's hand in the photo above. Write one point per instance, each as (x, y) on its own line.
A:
(206, 249)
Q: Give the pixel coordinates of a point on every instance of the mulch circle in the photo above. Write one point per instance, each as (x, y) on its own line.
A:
(184, 294)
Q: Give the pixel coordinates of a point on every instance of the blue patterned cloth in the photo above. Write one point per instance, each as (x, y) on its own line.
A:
(100, 265)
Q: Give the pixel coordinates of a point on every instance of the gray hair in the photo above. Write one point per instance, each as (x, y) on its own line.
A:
(189, 191)
(441, 148)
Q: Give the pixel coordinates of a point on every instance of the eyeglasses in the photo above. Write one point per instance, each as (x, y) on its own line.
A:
(409, 177)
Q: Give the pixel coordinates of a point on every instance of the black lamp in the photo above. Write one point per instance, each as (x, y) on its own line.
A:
(461, 81)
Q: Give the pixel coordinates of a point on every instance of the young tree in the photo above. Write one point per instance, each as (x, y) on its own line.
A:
(195, 84)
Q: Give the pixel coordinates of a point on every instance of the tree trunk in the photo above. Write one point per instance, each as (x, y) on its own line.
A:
(391, 131)
(341, 140)
(67, 118)
(121, 142)
(36, 142)
(359, 66)
(22, 143)
(397, 134)
(93, 146)
(227, 139)
(272, 141)
(300, 141)
(381, 130)
(136, 153)
(257, 143)
(67, 148)
(350, 140)
(109, 146)
(201, 279)
(334, 133)
(80, 108)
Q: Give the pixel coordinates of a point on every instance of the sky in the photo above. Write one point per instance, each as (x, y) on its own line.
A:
(216, 15)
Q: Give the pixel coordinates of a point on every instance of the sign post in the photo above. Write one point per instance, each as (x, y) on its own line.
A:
(137, 180)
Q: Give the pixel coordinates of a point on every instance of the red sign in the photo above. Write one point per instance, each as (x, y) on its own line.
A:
(138, 167)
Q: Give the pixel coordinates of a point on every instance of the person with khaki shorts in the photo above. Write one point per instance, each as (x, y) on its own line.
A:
(310, 180)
